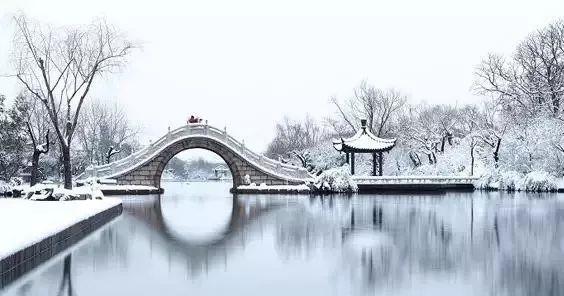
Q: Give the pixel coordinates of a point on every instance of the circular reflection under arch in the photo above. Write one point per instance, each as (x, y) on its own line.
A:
(194, 214)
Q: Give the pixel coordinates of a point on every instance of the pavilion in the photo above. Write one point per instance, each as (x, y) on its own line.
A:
(364, 141)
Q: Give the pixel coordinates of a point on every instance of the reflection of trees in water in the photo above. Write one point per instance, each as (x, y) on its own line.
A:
(531, 251)
(109, 249)
(517, 249)
(65, 286)
(302, 229)
(61, 279)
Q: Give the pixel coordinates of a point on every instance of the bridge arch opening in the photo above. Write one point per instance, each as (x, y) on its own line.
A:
(197, 165)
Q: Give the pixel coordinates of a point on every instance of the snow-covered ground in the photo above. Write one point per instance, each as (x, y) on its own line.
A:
(25, 222)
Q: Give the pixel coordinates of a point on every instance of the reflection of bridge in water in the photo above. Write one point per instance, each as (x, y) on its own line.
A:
(199, 254)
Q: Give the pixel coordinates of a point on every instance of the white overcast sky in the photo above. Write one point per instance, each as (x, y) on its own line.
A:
(246, 64)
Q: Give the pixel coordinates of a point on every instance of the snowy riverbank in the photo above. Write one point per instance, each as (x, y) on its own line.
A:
(25, 222)
(536, 181)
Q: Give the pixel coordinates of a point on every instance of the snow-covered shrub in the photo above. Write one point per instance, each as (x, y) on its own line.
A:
(16, 181)
(510, 180)
(4, 187)
(322, 157)
(539, 181)
(515, 181)
(488, 181)
(336, 180)
(532, 146)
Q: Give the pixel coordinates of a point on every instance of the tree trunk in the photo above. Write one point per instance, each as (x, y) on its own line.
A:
(34, 167)
(555, 103)
(443, 141)
(415, 159)
(472, 159)
(496, 152)
(67, 169)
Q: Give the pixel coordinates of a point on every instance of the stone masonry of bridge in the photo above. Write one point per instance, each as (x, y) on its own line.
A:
(150, 172)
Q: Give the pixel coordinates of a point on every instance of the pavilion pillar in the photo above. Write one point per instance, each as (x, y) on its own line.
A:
(347, 157)
(380, 163)
(352, 163)
(373, 163)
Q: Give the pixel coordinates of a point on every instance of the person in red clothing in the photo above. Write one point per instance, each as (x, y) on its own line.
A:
(192, 119)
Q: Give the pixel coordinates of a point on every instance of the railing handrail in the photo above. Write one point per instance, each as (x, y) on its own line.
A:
(416, 178)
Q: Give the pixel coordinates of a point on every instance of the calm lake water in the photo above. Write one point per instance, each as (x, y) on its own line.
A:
(197, 239)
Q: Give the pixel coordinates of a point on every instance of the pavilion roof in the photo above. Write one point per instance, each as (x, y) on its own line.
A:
(364, 141)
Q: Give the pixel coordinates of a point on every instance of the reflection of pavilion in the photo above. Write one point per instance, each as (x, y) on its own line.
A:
(364, 141)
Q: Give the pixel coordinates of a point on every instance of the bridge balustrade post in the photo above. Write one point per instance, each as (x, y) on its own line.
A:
(243, 145)
(168, 135)
(206, 127)
(225, 132)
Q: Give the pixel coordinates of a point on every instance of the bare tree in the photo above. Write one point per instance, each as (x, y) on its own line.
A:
(294, 137)
(59, 66)
(375, 105)
(429, 129)
(492, 128)
(533, 80)
(104, 126)
(419, 129)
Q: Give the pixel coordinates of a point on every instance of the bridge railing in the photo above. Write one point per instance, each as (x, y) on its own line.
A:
(149, 151)
(414, 179)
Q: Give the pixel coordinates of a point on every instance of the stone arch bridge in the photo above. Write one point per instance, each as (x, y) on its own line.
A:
(146, 166)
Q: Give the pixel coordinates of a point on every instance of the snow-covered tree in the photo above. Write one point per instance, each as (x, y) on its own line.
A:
(531, 82)
(12, 139)
(293, 138)
(59, 66)
(37, 127)
(378, 106)
(103, 130)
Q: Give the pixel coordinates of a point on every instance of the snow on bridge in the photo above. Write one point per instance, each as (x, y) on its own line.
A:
(145, 166)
